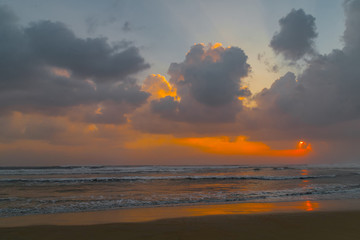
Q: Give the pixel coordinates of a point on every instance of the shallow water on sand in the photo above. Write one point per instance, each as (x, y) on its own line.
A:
(43, 190)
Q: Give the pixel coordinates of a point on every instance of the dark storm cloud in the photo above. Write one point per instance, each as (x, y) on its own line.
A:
(209, 85)
(296, 36)
(44, 67)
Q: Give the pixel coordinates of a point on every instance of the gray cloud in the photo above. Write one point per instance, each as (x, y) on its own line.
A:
(209, 85)
(326, 92)
(55, 44)
(166, 107)
(17, 126)
(126, 27)
(270, 67)
(352, 35)
(45, 68)
(296, 36)
(54, 95)
(320, 103)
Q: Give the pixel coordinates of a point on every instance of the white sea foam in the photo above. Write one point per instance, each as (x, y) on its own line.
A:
(152, 178)
(77, 203)
(108, 169)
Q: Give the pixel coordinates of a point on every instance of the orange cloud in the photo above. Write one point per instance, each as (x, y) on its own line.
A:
(92, 128)
(148, 141)
(216, 45)
(214, 52)
(158, 86)
(217, 145)
(61, 72)
(240, 146)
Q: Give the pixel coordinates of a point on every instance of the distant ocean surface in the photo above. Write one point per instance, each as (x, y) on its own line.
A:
(43, 190)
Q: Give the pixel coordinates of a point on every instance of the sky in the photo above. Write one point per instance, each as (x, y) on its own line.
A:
(179, 82)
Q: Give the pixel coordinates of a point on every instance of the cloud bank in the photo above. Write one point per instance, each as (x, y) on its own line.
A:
(46, 68)
(326, 92)
(55, 85)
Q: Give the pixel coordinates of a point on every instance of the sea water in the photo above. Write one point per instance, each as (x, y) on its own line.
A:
(60, 189)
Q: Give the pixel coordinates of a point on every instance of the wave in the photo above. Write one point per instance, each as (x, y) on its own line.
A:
(93, 203)
(153, 178)
(69, 170)
(102, 169)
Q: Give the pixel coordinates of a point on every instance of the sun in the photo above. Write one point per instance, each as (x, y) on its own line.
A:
(303, 145)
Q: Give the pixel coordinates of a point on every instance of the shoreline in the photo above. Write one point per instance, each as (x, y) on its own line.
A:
(312, 225)
(149, 214)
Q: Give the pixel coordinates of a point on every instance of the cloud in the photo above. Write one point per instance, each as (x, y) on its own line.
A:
(55, 44)
(326, 92)
(208, 84)
(46, 68)
(320, 105)
(126, 27)
(296, 36)
(92, 88)
(213, 75)
(270, 67)
(351, 35)
(19, 126)
(158, 87)
(241, 146)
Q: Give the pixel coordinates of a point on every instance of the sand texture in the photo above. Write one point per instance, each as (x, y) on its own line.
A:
(289, 226)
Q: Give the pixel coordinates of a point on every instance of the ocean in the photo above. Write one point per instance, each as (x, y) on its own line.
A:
(64, 189)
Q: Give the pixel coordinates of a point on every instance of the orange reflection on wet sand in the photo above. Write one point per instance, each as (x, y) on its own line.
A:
(311, 206)
(150, 214)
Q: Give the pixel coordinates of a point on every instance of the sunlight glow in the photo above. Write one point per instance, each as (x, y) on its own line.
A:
(159, 87)
(92, 128)
(241, 146)
(61, 72)
(302, 145)
(98, 111)
(216, 45)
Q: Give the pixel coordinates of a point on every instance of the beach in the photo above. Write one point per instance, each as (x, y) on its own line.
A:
(282, 220)
(180, 202)
(51, 190)
(179, 120)
(308, 225)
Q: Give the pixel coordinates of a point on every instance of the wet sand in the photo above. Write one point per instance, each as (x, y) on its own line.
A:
(303, 220)
(304, 226)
